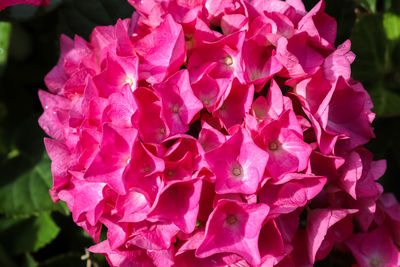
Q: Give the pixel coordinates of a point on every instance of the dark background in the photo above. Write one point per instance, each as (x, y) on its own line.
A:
(36, 232)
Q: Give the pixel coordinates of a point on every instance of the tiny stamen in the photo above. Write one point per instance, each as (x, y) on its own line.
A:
(146, 169)
(236, 171)
(175, 109)
(231, 219)
(131, 81)
(170, 173)
(273, 145)
(228, 60)
(188, 37)
(375, 262)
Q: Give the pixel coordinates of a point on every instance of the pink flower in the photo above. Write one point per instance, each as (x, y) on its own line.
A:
(283, 141)
(215, 65)
(234, 227)
(118, 72)
(185, 196)
(374, 249)
(238, 164)
(236, 105)
(180, 105)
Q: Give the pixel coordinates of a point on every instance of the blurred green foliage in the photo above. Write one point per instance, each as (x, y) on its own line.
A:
(36, 232)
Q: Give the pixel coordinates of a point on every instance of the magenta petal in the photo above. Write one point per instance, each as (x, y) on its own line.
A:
(184, 197)
(338, 63)
(318, 223)
(54, 120)
(180, 105)
(291, 192)
(210, 138)
(298, 58)
(122, 257)
(119, 71)
(144, 170)
(134, 206)
(149, 106)
(153, 236)
(58, 153)
(113, 157)
(163, 51)
(351, 173)
(87, 198)
(121, 108)
(233, 23)
(348, 113)
(57, 77)
(236, 105)
(273, 249)
(319, 26)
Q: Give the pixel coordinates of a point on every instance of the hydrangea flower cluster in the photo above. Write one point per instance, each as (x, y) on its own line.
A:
(218, 133)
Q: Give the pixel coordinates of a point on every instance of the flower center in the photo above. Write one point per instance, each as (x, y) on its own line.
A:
(228, 60)
(146, 169)
(188, 37)
(231, 219)
(236, 171)
(273, 145)
(131, 81)
(170, 173)
(175, 109)
(375, 262)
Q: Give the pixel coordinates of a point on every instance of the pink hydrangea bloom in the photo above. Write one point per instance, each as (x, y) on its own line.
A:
(218, 133)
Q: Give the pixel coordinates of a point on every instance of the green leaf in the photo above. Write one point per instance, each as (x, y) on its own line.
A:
(375, 41)
(5, 259)
(29, 261)
(386, 102)
(28, 193)
(27, 235)
(21, 43)
(5, 31)
(370, 5)
(369, 44)
(392, 5)
(80, 17)
(391, 24)
(64, 260)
